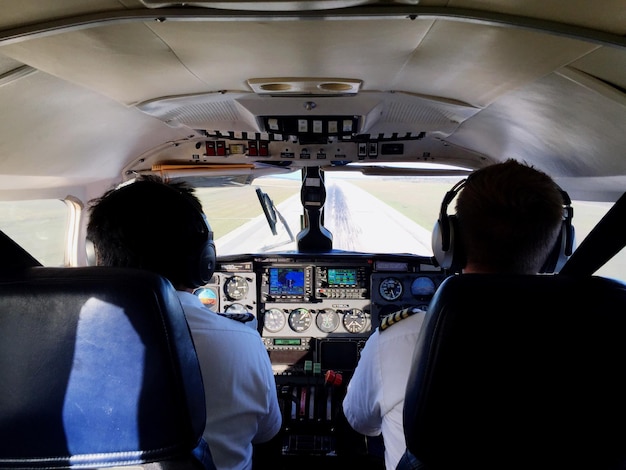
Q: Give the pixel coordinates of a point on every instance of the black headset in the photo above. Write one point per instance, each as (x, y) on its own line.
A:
(202, 266)
(446, 247)
(448, 250)
(202, 257)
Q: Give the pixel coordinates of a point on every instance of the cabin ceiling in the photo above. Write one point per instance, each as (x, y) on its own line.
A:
(135, 62)
(486, 77)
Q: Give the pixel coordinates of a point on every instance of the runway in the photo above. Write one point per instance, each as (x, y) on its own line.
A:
(357, 220)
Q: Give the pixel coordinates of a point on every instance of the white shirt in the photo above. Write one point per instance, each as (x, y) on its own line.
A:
(374, 400)
(240, 391)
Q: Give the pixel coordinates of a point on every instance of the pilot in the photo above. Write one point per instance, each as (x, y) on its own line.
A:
(508, 219)
(159, 226)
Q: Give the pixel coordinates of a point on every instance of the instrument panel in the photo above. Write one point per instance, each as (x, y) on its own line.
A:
(303, 302)
(231, 291)
(314, 314)
(314, 300)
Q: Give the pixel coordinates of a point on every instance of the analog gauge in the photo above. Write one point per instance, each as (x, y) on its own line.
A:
(236, 288)
(327, 320)
(390, 288)
(235, 308)
(300, 319)
(422, 287)
(208, 297)
(355, 320)
(274, 320)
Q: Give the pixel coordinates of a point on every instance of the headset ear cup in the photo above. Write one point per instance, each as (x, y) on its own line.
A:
(562, 249)
(203, 263)
(445, 233)
(437, 243)
(203, 260)
(565, 243)
(206, 265)
(446, 244)
(90, 251)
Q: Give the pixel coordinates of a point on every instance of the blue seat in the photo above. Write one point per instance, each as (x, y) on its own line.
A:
(97, 369)
(519, 372)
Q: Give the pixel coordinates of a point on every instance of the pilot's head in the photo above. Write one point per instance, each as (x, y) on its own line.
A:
(509, 216)
(153, 225)
(509, 219)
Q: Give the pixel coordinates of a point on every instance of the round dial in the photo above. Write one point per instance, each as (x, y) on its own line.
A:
(422, 286)
(236, 288)
(208, 297)
(327, 320)
(235, 308)
(390, 288)
(274, 320)
(355, 320)
(300, 319)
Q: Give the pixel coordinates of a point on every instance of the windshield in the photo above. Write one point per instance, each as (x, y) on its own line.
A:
(382, 215)
(363, 214)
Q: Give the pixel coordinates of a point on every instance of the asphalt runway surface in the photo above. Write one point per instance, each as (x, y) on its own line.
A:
(357, 220)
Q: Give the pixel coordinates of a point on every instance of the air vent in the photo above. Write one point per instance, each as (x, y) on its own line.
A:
(305, 86)
(285, 5)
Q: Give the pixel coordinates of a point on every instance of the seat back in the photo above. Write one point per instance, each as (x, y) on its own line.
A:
(515, 372)
(97, 369)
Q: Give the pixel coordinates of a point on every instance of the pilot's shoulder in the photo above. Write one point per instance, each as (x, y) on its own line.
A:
(396, 317)
(243, 317)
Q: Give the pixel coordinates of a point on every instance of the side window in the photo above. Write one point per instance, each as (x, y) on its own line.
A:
(39, 226)
(586, 216)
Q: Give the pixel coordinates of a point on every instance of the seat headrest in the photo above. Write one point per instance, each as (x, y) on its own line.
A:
(98, 368)
(520, 372)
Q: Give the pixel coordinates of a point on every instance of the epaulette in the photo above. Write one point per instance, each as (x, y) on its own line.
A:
(395, 317)
(241, 317)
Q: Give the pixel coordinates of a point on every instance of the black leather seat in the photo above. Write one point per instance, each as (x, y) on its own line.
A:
(97, 369)
(520, 372)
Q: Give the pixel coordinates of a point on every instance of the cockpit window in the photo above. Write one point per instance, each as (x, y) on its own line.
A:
(366, 215)
(371, 215)
(39, 226)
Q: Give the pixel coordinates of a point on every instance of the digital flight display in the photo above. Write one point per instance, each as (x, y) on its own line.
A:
(286, 281)
(342, 277)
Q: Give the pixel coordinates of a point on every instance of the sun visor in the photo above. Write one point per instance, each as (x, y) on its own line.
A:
(215, 175)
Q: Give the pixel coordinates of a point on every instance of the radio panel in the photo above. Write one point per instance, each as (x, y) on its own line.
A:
(341, 282)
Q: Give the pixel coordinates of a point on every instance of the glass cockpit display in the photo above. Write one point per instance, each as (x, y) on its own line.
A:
(286, 281)
(342, 277)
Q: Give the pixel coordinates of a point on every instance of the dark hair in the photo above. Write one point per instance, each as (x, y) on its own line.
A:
(509, 216)
(148, 224)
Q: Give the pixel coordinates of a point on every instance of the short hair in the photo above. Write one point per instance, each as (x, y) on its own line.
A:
(509, 216)
(148, 224)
